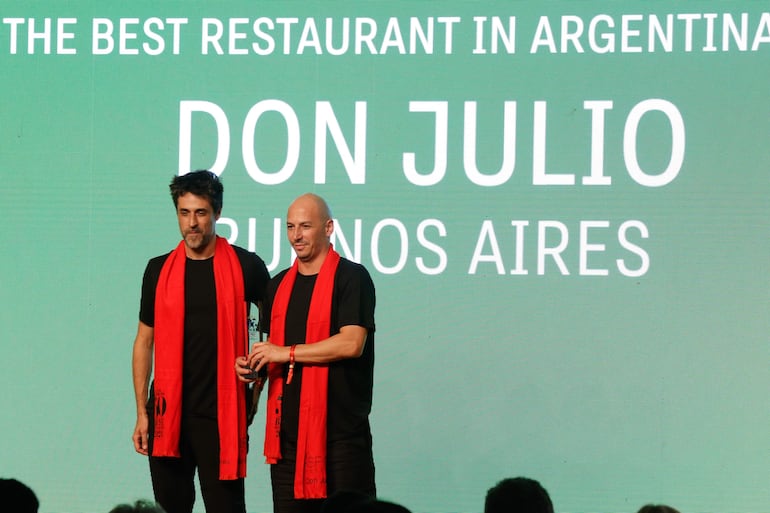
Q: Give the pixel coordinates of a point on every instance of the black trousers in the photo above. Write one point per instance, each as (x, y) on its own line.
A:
(173, 479)
(349, 467)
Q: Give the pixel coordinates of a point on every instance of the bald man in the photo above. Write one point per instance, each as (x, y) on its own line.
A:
(320, 361)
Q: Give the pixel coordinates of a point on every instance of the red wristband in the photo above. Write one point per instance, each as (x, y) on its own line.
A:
(291, 364)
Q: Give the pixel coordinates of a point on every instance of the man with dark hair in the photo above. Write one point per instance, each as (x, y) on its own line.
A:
(140, 506)
(320, 359)
(518, 495)
(192, 325)
(657, 508)
(18, 497)
(345, 501)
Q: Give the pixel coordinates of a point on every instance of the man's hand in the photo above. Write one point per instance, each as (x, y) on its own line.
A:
(141, 436)
(242, 369)
(263, 353)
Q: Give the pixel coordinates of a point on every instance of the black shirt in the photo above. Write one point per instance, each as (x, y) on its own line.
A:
(199, 373)
(350, 380)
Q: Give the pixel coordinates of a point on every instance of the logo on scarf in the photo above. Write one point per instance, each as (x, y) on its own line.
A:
(160, 411)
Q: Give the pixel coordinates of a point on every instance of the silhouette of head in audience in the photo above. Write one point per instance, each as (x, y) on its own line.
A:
(357, 502)
(518, 495)
(18, 497)
(140, 506)
(657, 508)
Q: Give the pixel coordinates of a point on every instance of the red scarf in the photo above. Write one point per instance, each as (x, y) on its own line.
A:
(231, 342)
(310, 473)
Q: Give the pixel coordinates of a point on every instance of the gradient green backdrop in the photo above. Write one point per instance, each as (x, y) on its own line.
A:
(612, 390)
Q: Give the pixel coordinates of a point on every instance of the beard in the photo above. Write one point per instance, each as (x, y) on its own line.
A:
(195, 239)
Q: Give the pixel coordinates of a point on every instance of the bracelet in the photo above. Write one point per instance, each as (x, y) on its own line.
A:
(291, 364)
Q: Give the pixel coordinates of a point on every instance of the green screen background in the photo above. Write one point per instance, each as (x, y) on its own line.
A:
(613, 391)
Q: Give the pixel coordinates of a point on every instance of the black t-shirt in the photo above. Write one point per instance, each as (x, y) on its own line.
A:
(199, 373)
(350, 380)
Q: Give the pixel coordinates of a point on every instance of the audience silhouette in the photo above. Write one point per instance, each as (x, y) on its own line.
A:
(657, 508)
(140, 506)
(511, 495)
(358, 502)
(518, 495)
(18, 497)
